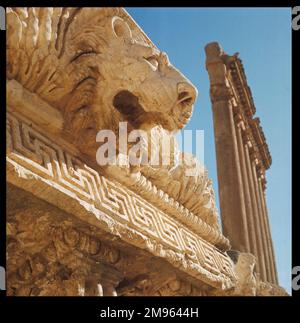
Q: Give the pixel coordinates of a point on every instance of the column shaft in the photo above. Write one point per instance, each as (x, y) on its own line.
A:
(270, 269)
(260, 256)
(252, 245)
(263, 233)
(229, 176)
(269, 237)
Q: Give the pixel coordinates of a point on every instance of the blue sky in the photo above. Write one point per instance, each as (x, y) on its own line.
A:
(262, 36)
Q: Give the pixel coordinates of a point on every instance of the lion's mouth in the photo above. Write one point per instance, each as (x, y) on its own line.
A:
(128, 105)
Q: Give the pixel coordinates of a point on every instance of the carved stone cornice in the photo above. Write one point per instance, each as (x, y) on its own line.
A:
(48, 249)
(80, 190)
(260, 140)
(246, 107)
(238, 78)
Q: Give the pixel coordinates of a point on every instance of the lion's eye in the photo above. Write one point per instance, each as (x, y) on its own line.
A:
(153, 61)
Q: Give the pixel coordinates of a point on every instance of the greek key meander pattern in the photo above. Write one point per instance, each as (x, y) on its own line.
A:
(31, 150)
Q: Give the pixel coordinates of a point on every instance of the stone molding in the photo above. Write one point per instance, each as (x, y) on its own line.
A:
(113, 207)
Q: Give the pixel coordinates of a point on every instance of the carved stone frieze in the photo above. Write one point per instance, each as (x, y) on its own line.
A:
(32, 157)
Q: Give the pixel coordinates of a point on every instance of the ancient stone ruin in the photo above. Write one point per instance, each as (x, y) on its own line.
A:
(75, 227)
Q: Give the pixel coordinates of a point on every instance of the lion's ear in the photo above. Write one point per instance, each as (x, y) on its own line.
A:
(121, 28)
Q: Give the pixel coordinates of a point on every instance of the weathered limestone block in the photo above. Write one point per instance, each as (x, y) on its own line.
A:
(248, 282)
(269, 289)
(41, 167)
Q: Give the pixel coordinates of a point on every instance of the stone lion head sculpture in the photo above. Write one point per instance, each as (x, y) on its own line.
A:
(98, 68)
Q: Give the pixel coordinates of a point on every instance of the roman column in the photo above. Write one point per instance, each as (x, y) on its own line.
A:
(260, 228)
(228, 165)
(260, 254)
(273, 270)
(264, 234)
(249, 210)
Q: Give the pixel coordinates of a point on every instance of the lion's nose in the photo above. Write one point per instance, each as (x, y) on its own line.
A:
(187, 94)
